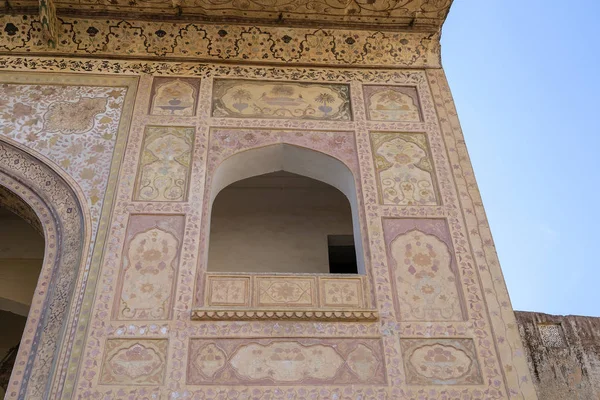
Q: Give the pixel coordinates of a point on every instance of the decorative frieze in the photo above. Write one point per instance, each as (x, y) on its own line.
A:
(109, 37)
(229, 314)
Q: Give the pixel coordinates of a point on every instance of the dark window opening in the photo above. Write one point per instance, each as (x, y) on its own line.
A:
(342, 254)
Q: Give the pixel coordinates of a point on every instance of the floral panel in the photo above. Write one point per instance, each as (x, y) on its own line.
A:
(74, 125)
(405, 174)
(286, 291)
(165, 163)
(292, 361)
(149, 266)
(441, 362)
(341, 292)
(134, 362)
(174, 96)
(256, 99)
(392, 103)
(423, 268)
(228, 291)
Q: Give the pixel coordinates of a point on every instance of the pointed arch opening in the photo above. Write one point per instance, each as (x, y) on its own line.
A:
(21, 258)
(284, 209)
(32, 188)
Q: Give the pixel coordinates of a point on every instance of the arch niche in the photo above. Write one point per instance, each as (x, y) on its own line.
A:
(32, 188)
(289, 158)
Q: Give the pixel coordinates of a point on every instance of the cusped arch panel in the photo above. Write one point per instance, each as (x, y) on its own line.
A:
(57, 205)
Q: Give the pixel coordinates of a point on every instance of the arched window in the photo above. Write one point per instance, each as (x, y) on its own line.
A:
(284, 209)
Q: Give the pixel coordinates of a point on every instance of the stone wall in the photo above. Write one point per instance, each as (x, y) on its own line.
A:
(563, 353)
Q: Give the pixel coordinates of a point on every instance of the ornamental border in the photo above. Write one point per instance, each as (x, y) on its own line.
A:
(210, 42)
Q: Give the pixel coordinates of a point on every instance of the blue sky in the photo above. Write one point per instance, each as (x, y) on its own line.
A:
(526, 82)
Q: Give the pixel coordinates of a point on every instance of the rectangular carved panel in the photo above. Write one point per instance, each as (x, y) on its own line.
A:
(423, 268)
(341, 292)
(440, 362)
(163, 173)
(290, 361)
(284, 297)
(228, 291)
(280, 292)
(134, 362)
(234, 98)
(149, 266)
(392, 103)
(405, 174)
(286, 291)
(174, 96)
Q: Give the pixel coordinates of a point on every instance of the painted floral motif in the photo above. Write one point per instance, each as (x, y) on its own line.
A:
(80, 143)
(285, 291)
(134, 362)
(210, 360)
(341, 292)
(404, 169)
(262, 361)
(174, 97)
(286, 362)
(217, 42)
(441, 361)
(165, 163)
(149, 264)
(392, 103)
(237, 98)
(362, 362)
(74, 117)
(229, 291)
(426, 283)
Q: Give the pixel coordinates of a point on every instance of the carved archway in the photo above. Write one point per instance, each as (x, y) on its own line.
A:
(31, 180)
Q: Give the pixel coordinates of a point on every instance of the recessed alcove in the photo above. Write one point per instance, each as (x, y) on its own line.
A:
(275, 210)
(280, 222)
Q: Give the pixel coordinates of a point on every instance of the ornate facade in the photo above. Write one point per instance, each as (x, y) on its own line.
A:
(119, 127)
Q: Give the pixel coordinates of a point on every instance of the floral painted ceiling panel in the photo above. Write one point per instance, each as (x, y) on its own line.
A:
(423, 14)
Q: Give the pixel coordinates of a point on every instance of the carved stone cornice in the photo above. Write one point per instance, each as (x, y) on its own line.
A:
(180, 41)
(213, 314)
(424, 15)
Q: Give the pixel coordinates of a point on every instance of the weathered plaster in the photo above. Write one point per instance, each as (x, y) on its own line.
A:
(563, 353)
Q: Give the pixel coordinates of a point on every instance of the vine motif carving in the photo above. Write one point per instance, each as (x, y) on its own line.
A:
(102, 37)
